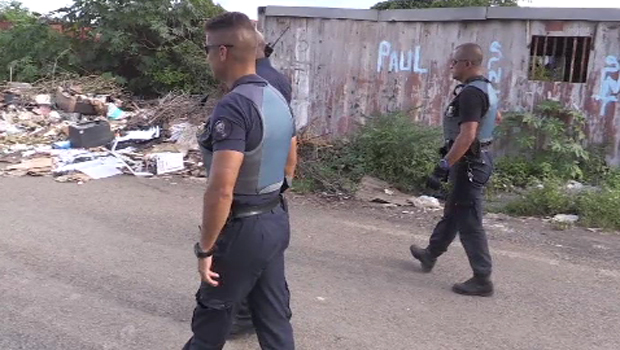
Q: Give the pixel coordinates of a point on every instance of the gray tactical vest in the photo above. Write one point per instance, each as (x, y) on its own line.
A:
(451, 122)
(262, 170)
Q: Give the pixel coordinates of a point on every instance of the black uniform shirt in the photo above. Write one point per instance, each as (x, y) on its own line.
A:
(472, 103)
(275, 78)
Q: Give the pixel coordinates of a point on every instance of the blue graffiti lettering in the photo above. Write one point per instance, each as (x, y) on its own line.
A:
(495, 75)
(610, 87)
(400, 61)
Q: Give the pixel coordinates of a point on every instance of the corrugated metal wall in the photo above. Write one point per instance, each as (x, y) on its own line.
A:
(344, 70)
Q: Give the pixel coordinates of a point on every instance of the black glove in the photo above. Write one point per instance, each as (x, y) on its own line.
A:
(286, 184)
(439, 175)
(284, 187)
(443, 151)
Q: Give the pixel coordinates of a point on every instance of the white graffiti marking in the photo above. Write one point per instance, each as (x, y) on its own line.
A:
(400, 61)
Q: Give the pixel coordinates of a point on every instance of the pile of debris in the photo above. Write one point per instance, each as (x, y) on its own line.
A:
(77, 134)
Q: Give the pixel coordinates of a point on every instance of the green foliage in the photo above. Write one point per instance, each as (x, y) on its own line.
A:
(594, 208)
(331, 168)
(550, 199)
(155, 45)
(397, 150)
(421, 4)
(546, 144)
(14, 12)
(600, 209)
(30, 49)
(389, 147)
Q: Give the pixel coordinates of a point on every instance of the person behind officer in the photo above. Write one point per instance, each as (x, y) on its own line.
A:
(269, 73)
(242, 323)
(248, 151)
(468, 128)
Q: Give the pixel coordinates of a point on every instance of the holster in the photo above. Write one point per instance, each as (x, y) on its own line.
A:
(474, 151)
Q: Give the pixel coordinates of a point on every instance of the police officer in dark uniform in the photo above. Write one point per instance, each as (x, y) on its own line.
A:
(247, 149)
(269, 73)
(468, 129)
(242, 323)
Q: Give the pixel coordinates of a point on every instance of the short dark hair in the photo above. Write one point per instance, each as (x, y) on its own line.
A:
(473, 52)
(229, 20)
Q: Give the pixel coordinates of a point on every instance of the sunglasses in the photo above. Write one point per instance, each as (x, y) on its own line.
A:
(209, 47)
(455, 62)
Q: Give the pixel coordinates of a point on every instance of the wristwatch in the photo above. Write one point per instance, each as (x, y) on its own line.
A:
(201, 254)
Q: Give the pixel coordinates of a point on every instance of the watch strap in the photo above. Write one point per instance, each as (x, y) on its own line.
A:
(201, 254)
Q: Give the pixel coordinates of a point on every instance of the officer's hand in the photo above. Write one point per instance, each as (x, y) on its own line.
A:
(206, 274)
(284, 187)
(438, 176)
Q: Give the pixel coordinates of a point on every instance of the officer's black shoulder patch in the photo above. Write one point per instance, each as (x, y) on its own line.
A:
(221, 129)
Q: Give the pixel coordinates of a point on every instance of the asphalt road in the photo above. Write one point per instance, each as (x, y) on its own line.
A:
(108, 265)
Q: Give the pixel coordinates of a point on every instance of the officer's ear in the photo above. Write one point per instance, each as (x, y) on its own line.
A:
(223, 53)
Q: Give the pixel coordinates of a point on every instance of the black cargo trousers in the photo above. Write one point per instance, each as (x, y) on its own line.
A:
(250, 261)
(464, 211)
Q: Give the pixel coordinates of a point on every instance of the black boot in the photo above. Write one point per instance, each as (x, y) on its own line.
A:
(426, 259)
(480, 286)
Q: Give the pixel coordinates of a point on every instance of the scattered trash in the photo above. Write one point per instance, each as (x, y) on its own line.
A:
(185, 135)
(43, 100)
(78, 178)
(82, 129)
(62, 145)
(114, 112)
(565, 219)
(90, 134)
(33, 167)
(425, 202)
(377, 191)
(96, 169)
(166, 163)
(577, 187)
(140, 135)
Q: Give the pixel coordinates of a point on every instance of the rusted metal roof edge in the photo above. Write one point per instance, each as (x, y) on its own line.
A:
(319, 12)
(555, 14)
(434, 15)
(448, 14)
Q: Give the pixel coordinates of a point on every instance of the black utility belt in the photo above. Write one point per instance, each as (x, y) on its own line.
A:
(245, 211)
(449, 144)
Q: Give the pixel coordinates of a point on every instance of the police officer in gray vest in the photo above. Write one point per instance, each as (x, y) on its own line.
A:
(249, 152)
(242, 323)
(468, 125)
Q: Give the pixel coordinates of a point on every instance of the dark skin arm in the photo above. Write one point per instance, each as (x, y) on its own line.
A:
(467, 135)
(291, 162)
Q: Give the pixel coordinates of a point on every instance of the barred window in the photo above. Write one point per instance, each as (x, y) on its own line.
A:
(559, 58)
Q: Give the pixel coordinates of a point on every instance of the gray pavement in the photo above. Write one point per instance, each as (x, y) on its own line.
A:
(108, 265)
